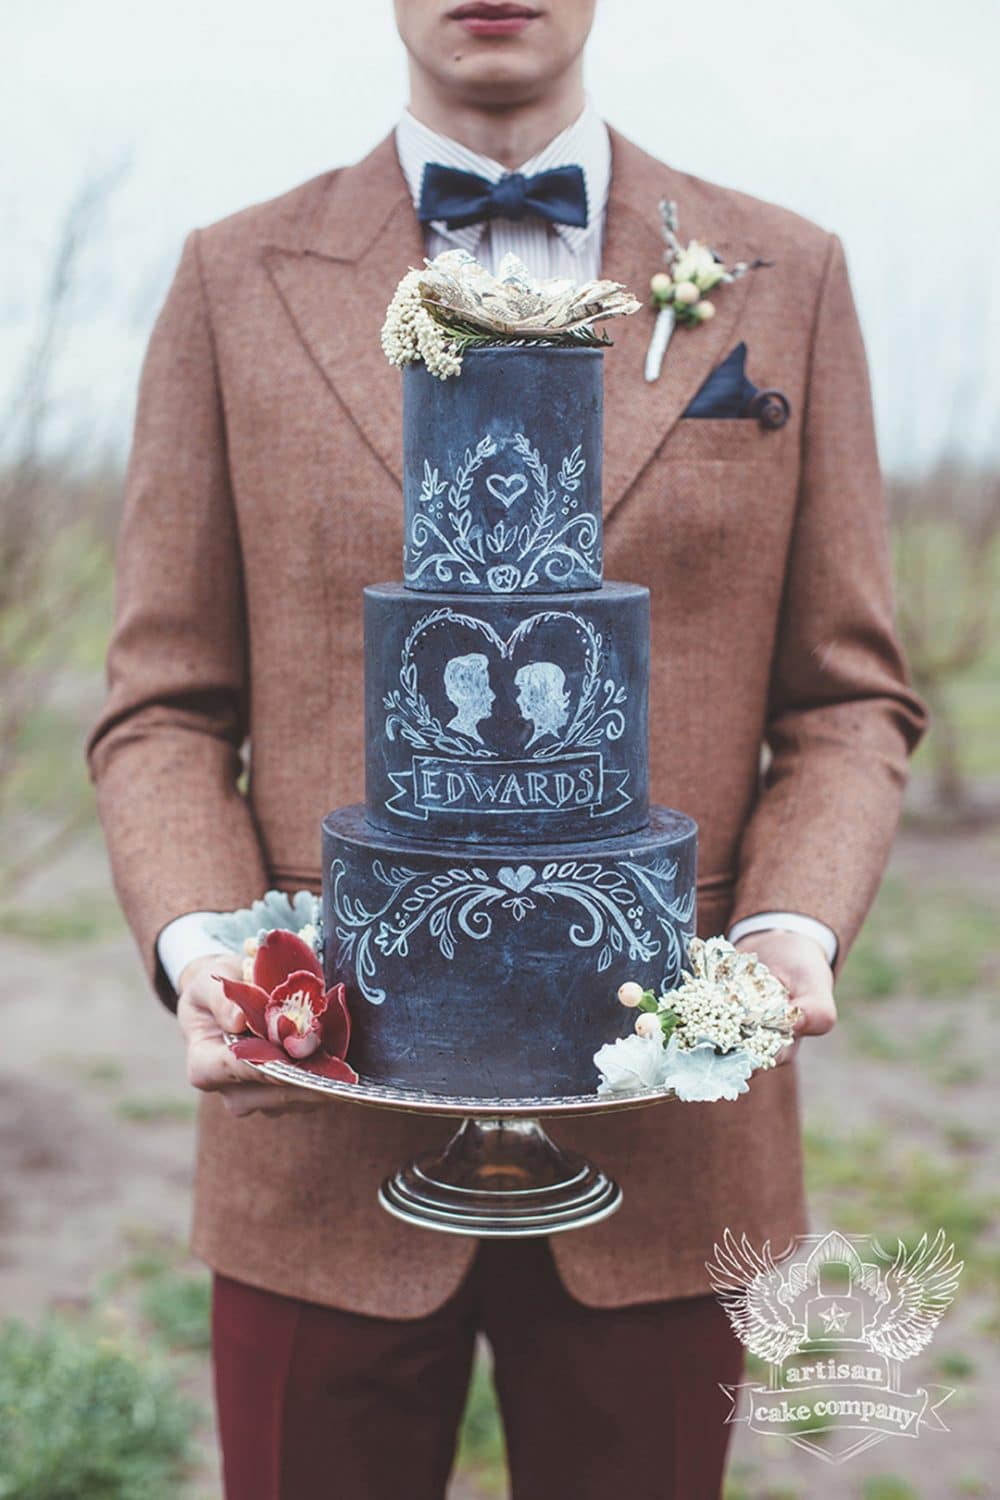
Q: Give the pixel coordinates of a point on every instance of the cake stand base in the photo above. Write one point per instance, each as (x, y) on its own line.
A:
(500, 1178)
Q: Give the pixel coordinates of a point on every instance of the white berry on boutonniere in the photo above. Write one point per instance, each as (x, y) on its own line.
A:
(680, 294)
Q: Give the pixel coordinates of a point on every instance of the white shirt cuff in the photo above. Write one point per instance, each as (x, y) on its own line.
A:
(788, 921)
(182, 940)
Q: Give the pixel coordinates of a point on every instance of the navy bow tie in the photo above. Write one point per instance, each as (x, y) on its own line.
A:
(461, 198)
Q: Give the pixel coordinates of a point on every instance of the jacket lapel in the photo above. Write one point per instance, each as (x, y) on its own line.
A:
(640, 415)
(336, 282)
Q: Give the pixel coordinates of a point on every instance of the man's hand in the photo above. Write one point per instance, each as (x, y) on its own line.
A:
(204, 1013)
(800, 963)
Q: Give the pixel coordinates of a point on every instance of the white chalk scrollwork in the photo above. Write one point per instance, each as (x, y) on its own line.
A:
(617, 907)
(552, 545)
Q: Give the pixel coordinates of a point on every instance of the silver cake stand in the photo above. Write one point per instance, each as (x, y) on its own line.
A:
(500, 1175)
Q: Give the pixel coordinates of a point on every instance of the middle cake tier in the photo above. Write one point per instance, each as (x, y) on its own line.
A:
(517, 719)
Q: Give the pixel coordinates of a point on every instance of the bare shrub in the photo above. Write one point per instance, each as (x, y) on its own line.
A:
(56, 524)
(947, 540)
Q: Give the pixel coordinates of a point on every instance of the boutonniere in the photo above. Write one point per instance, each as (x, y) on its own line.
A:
(681, 293)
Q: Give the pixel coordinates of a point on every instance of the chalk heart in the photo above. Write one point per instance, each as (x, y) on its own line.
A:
(546, 634)
(516, 880)
(506, 487)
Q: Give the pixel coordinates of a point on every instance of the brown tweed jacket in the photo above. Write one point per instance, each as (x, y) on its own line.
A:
(264, 491)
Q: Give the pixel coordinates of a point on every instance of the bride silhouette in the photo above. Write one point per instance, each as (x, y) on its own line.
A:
(542, 698)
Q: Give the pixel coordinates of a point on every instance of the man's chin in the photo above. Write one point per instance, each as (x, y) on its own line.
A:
(496, 81)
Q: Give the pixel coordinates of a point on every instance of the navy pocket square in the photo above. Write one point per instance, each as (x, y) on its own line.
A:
(729, 393)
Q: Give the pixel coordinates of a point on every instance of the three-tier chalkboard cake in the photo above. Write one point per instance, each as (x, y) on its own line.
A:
(506, 873)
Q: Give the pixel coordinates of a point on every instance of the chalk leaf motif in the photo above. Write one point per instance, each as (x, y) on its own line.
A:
(552, 546)
(617, 908)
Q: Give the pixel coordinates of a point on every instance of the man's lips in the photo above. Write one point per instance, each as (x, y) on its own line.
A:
(485, 19)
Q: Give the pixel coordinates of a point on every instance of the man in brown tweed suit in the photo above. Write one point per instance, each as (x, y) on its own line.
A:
(263, 492)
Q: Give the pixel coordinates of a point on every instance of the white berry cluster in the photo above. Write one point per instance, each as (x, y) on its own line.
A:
(704, 1014)
(410, 332)
(693, 273)
(762, 1046)
(731, 999)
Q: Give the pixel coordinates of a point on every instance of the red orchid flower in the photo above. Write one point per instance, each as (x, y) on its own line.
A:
(292, 1015)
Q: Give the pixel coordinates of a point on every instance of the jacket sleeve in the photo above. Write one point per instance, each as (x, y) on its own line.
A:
(842, 718)
(164, 753)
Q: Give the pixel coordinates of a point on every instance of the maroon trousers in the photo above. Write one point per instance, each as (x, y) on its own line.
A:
(319, 1404)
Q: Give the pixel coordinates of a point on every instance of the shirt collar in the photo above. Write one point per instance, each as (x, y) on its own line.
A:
(585, 143)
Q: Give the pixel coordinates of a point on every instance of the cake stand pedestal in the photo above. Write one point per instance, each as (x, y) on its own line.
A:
(503, 1177)
(500, 1175)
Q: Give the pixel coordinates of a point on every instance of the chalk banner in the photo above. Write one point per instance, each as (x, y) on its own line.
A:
(438, 784)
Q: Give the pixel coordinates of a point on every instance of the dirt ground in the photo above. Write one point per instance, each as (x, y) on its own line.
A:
(96, 1147)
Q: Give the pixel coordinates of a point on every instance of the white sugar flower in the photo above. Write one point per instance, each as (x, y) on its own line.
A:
(629, 1064)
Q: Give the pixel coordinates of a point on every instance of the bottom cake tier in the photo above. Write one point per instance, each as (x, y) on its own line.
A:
(492, 971)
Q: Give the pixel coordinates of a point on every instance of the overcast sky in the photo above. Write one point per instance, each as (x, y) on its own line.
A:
(877, 118)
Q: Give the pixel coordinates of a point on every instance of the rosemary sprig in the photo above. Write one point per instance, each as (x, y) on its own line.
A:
(467, 336)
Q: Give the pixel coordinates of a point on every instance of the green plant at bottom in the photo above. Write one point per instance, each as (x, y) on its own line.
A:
(179, 1306)
(84, 1416)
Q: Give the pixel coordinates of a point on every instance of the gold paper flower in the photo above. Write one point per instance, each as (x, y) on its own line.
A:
(454, 302)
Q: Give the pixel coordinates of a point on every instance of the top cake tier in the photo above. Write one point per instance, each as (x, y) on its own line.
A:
(502, 472)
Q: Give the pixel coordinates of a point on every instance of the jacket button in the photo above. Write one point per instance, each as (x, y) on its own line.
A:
(771, 408)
